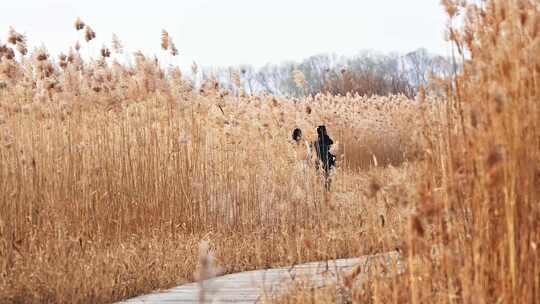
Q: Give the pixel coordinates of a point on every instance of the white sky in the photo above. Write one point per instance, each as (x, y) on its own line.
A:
(231, 32)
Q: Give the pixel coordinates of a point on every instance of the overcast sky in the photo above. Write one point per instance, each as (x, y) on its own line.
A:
(231, 32)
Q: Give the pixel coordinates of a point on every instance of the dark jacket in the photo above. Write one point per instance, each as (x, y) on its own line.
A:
(322, 148)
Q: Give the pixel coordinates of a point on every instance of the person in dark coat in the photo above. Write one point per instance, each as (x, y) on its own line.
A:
(322, 148)
(302, 149)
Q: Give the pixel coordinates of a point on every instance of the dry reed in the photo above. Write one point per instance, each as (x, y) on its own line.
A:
(112, 174)
(473, 236)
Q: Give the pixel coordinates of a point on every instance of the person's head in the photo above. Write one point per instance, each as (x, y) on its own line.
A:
(297, 134)
(321, 130)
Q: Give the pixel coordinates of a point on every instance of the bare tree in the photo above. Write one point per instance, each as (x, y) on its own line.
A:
(367, 73)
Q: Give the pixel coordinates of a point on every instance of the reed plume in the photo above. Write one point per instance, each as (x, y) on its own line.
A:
(165, 40)
(89, 34)
(79, 24)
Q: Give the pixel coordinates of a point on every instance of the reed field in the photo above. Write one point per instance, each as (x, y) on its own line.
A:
(113, 175)
(474, 231)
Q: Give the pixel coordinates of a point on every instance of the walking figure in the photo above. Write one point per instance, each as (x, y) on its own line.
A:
(322, 148)
(302, 149)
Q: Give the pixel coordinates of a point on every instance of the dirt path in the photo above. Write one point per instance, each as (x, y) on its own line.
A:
(252, 286)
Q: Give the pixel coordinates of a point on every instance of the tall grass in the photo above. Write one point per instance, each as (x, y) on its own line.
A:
(474, 234)
(487, 160)
(112, 174)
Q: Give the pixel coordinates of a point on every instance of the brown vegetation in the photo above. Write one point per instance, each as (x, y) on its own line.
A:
(111, 175)
(475, 230)
(366, 83)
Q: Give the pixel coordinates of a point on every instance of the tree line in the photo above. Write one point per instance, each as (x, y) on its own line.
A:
(368, 73)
